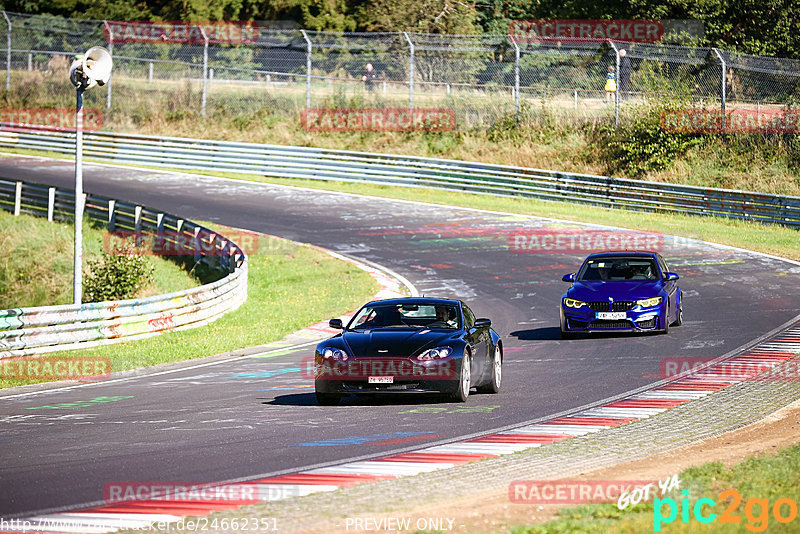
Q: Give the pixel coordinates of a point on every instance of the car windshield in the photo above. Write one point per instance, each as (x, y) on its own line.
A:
(616, 269)
(405, 316)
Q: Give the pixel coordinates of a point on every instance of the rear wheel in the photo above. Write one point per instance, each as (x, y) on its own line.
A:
(497, 373)
(464, 379)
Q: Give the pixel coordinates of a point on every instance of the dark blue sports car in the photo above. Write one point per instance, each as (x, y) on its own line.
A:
(621, 291)
(409, 345)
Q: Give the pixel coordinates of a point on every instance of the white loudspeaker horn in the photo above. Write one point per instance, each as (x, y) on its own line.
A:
(96, 65)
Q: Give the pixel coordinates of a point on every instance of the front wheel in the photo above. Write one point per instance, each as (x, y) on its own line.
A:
(679, 320)
(464, 379)
(497, 373)
(666, 321)
(328, 399)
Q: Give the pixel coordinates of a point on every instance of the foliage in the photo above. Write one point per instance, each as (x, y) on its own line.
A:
(641, 145)
(119, 275)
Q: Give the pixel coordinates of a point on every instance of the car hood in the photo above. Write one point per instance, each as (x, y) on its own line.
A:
(396, 342)
(623, 290)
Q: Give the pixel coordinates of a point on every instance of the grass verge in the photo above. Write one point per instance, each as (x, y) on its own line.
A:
(36, 262)
(290, 286)
(760, 481)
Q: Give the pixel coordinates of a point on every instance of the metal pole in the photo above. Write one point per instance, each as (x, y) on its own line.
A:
(410, 71)
(308, 68)
(8, 53)
(205, 72)
(617, 79)
(110, 51)
(722, 85)
(516, 77)
(77, 287)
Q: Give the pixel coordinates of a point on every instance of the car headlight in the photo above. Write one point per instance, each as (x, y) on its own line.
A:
(334, 354)
(573, 303)
(649, 303)
(434, 354)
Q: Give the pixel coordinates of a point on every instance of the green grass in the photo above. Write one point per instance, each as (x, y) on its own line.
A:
(289, 287)
(36, 262)
(759, 477)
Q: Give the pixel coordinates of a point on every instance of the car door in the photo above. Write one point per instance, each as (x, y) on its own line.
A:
(478, 339)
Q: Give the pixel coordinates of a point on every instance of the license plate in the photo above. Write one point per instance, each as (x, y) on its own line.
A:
(614, 316)
(380, 380)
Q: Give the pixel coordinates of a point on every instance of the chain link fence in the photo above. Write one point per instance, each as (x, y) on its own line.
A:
(483, 78)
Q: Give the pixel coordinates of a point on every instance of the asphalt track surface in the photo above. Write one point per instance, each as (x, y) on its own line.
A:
(257, 415)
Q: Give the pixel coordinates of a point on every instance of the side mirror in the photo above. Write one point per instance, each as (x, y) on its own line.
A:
(483, 323)
(336, 323)
(671, 276)
(568, 277)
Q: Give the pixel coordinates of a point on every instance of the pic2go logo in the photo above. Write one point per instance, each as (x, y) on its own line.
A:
(756, 511)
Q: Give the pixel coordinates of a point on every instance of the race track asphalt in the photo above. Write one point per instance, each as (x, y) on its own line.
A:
(257, 415)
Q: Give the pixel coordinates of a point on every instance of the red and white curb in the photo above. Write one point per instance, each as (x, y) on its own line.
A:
(141, 514)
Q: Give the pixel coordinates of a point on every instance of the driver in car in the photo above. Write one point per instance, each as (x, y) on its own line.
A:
(445, 318)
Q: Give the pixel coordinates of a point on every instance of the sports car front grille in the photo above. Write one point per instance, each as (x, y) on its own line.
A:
(649, 323)
(600, 325)
(603, 306)
(576, 325)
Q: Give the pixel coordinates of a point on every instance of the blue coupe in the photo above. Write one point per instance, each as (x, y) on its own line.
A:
(409, 345)
(621, 291)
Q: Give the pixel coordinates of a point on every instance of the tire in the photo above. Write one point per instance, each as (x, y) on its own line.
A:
(497, 373)
(328, 399)
(568, 335)
(464, 379)
(679, 320)
(666, 321)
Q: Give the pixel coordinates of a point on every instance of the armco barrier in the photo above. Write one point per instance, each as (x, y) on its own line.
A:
(410, 171)
(25, 331)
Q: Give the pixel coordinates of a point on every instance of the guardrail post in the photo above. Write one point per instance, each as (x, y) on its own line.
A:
(110, 51)
(112, 215)
(150, 72)
(8, 53)
(205, 72)
(17, 198)
(51, 203)
(137, 219)
(196, 243)
(617, 80)
(722, 85)
(410, 71)
(160, 223)
(516, 77)
(308, 68)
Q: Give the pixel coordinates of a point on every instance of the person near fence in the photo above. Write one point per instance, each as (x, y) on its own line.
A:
(624, 74)
(611, 84)
(369, 77)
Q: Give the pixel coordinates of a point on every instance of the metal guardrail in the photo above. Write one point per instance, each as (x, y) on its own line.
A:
(410, 171)
(37, 330)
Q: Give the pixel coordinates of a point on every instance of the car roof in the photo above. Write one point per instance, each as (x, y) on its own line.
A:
(417, 300)
(642, 253)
